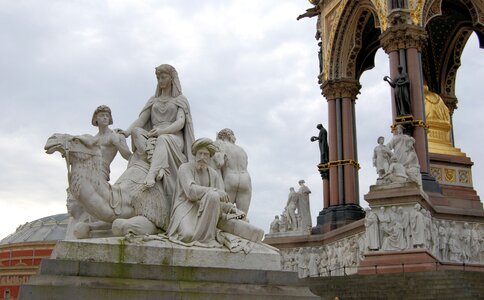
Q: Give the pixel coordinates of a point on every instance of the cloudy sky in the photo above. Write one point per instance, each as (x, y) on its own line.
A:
(243, 64)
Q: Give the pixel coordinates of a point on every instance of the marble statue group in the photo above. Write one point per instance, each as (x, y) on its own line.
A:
(397, 161)
(195, 192)
(297, 214)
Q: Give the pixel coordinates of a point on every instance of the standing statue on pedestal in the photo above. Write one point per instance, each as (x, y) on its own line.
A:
(401, 87)
(303, 206)
(232, 161)
(290, 210)
(323, 147)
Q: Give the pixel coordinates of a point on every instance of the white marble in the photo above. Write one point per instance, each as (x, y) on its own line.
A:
(232, 161)
(155, 250)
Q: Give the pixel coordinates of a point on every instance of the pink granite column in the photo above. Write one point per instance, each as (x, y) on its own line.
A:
(333, 153)
(348, 151)
(414, 70)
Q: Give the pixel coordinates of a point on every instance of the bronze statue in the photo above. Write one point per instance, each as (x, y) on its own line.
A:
(401, 89)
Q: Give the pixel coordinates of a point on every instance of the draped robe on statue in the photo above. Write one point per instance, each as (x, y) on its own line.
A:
(196, 208)
(176, 146)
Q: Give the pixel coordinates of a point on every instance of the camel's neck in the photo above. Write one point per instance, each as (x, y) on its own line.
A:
(86, 171)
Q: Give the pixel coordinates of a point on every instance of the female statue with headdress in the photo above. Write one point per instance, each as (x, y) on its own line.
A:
(165, 117)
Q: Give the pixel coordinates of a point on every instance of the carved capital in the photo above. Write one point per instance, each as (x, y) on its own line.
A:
(403, 36)
(341, 88)
(451, 103)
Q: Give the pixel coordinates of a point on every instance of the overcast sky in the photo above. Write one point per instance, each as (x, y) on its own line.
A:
(243, 64)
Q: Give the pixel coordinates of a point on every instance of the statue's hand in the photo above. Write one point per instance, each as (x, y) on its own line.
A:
(122, 132)
(314, 138)
(155, 132)
(223, 196)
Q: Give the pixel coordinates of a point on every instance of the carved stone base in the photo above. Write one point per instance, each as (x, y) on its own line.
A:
(396, 193)
(156, 252)
(455, 177)
(413, 260)
(334, 217)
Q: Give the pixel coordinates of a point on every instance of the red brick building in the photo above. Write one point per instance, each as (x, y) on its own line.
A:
(22, 251)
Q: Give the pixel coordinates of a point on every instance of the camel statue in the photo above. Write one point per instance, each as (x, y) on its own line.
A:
(126, 204)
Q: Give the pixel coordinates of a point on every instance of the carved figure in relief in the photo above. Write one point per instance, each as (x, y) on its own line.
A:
(302, 266)
(405, 220)
(428, 229)
(417, 224)
(466, 236)
(455, 248)
(323, 263)
(313, 264)
(381, 157)
(232, 160)
(401, 90)
(372, 231)
(166, 117)
(475, 243)
(395, 240)
(443, 240)
(435, 237)
(304, 211)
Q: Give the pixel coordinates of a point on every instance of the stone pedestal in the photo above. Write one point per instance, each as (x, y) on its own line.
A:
(68, 279)
(455, 177)
(397, 194)
(413, 260)
(337, 216)
(156, 252)
(111, 268)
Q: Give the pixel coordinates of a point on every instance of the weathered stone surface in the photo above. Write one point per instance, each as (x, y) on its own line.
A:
(156, 252)
(61, 279)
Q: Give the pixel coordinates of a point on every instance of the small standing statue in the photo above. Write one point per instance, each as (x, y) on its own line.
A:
(323, 147)
(401, 88)
(381, 157)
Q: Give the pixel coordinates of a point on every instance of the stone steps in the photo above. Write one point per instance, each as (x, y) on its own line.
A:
(447, 284)
(66, 279)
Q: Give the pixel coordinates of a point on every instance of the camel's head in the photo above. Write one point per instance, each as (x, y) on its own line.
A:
(86, 144)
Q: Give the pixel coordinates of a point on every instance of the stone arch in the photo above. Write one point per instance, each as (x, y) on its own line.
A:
(356, 41)
(449, 24)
